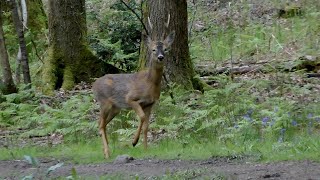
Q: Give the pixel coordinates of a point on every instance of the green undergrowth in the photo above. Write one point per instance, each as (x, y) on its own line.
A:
(264, 120)
(250, 37)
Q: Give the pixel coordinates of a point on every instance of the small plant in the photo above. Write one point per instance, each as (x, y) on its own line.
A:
(39, 174)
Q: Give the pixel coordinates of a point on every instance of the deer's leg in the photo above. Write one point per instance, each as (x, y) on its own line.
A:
(104, 112)
(147, 112)
(137, 108)
(106, 115)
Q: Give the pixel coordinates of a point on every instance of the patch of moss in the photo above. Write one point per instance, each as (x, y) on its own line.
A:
(197, 83)
(68, 78)
(48, 72)
(37, 19)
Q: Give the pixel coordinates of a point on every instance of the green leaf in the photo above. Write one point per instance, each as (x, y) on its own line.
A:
(31, 160)
(54, 167)
(30, 177)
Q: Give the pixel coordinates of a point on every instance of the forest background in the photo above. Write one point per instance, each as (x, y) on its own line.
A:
(258, 60)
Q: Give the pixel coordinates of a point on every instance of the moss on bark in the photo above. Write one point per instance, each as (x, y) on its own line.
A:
(68, 78)
(69, 61)
(49, 71)
(37, 19)
(59, 71)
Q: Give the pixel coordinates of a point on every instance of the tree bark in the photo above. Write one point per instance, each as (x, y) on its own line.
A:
(179, 68)
(8, 84)
(24, 54)
(24, 17)
(69, 59)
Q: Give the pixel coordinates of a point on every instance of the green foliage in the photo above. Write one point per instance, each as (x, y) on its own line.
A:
(116, 37)
(232, 114)
(243, 36)
(42, 115)
(32, 160)
(10, 33)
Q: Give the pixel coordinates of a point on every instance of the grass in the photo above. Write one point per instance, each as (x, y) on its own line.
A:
(299, 148)
(222, 41)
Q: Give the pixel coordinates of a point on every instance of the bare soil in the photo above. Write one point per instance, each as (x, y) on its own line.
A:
(214, 168)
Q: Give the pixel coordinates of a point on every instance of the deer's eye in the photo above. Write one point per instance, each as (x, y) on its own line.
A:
(165, 49)
(154, 50)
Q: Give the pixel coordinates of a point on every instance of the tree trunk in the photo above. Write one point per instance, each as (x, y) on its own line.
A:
(34, 18)
(24, 18)
(24, 54)
(69, 60)
(37, 18)
(8, 84)
(179, 68)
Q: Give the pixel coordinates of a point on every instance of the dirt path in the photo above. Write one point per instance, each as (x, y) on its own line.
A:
(220, 168)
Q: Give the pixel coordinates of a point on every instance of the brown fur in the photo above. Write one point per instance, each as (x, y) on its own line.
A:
(137, 91)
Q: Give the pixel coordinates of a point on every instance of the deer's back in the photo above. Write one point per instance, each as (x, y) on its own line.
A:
(117, 88)
(113, 88)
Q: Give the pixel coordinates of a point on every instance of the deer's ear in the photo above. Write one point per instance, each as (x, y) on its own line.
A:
(169, 39)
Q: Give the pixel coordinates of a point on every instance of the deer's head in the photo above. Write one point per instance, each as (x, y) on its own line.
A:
(160, 47)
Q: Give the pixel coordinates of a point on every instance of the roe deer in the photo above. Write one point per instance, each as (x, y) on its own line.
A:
(137, 91)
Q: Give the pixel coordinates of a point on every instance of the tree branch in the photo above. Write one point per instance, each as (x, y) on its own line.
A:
(135, 13)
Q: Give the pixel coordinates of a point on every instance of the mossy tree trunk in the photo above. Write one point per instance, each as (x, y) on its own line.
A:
(179, 68)
(37, 18)
(8, 85)
(69, 60)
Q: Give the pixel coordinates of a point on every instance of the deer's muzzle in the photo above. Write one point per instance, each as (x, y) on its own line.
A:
(160, 57)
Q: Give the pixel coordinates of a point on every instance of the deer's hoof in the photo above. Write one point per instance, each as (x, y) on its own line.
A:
(106, 154)
(135, 142)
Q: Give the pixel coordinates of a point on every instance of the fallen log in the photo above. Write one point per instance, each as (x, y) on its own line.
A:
(307, 63)
(204, 70)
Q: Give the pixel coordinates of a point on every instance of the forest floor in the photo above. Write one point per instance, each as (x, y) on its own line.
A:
(213, 168)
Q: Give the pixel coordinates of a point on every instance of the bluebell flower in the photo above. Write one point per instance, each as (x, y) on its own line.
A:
(294, 123)
(265, 120)
(310, 115)
(317, 119)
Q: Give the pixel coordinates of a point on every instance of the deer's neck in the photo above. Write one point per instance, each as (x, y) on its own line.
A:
(155, 74)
